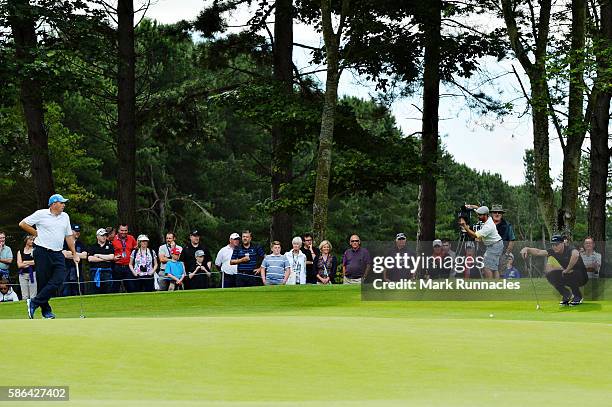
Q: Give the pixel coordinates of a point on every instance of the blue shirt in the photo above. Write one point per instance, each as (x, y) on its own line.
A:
(275, 268)
(511, 273)
(175, 268)
(256, 254)
(5, 253)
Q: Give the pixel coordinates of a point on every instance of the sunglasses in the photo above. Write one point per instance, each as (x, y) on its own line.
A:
(354, 241)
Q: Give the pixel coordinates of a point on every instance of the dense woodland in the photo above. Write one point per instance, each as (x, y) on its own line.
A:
(198, 124)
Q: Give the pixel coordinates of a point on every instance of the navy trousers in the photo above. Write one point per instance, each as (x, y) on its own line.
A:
(50, 274)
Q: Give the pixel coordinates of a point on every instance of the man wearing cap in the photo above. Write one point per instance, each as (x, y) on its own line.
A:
(493, 242)
(198, 280)
(52, 229)
(101, 256)
(70, 283)
(435, 266)
(224, 256)
(248, 257)
(165, 255)
(564, 268)
(399, 248)
(504, 228)
(124, 244)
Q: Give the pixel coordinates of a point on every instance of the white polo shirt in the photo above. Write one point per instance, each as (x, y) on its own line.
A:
(223, 260)
(488, 233)
(51, 229)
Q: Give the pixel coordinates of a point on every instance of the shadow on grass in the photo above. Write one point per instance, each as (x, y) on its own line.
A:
(584, 307)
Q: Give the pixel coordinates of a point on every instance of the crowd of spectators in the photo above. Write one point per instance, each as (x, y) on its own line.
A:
(120, 262)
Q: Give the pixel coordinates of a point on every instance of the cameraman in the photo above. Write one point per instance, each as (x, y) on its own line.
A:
(489, 237)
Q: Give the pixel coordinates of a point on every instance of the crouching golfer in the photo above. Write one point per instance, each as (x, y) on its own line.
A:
(564, 268)
(52, 227)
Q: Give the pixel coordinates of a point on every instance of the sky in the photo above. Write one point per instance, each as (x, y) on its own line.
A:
(495, 145)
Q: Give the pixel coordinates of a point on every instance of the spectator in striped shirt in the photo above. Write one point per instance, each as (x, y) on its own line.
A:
(248, 257)
(275, 268)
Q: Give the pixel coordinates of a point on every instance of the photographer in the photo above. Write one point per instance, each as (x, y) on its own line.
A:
(489, 237)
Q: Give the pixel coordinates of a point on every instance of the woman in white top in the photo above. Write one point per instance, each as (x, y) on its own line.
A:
(297, 260)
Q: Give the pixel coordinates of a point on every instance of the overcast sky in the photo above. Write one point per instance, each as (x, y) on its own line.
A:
(485, 144)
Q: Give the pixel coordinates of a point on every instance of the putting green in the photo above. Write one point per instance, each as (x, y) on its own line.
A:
(312, 346)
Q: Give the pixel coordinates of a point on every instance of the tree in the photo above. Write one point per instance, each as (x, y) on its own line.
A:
(429, 137)
(538, 100)
(332, 42)
(600, 153)
(126, 114)
(572, 148)
(283, 137)
(23, 21)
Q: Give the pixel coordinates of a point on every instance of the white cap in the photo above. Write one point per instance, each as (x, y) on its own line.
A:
(437, 242)
(483, 210)
(234, 236)
(101, 232)
(143, 237)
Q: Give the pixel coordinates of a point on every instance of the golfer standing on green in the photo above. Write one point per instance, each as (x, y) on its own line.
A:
(52, 227)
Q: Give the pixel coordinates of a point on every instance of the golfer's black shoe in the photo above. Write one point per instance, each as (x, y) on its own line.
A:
(31, 308)
(575, 301)
(564, 302)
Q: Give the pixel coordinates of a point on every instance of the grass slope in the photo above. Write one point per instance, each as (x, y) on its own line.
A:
(312, 346)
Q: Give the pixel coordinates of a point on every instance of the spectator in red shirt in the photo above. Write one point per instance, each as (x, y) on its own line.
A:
(124, 244)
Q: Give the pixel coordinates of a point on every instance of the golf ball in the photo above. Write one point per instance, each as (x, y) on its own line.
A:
(491, 315)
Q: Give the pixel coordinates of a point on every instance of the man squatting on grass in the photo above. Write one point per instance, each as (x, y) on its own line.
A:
(564, 268)
(490, 238)
(52, 228)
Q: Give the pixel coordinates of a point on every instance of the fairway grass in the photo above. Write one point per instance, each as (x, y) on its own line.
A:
(288, 346)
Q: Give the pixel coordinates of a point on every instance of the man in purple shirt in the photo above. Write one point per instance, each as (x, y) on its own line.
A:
(356, 262)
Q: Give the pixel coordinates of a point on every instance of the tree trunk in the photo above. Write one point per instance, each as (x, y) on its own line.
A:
(429, 139)
(600, 154)
(126, 105)
(23, 27)
(541, 154)
(282, 136)
(575, 122)
(326, 137)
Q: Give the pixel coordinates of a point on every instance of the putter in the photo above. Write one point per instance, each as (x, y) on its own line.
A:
(80, 293)
(535, 292)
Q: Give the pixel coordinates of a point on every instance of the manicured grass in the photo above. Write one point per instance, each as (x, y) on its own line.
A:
(312, 346)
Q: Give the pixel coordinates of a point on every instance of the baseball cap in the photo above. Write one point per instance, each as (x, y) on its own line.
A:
(510, 256)
(195, 232)
(497, 208)
(175, 250)
(437, 242)
(56, 198)
(400, 236)
(199, 253)
(76, 228)
(101, 232)
(143, 237)
(234, 236)
(556, 239)
(483, 210)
